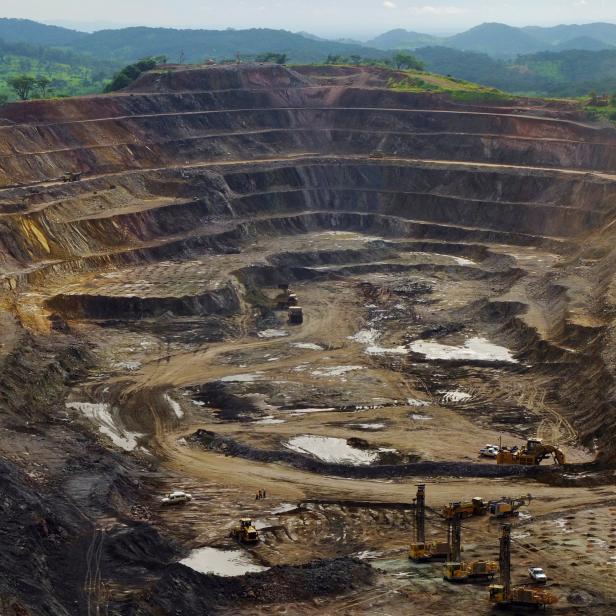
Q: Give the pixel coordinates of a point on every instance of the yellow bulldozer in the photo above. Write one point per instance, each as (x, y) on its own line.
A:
(533, 454)
(245, 532)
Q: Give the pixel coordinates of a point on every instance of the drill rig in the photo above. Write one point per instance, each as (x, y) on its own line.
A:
(422, 550)
(503, 594)
(457, 570)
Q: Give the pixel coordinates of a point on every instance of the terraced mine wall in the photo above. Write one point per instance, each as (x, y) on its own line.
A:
(188, 169)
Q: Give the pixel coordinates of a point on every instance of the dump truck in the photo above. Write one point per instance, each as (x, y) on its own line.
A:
(466, 509)
(533, 454)
(285, 299)
(72, 176)
(503, 594)
(245, 532)
(296, 315)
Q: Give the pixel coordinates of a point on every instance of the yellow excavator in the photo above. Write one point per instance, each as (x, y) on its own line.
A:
(457, 570)
(533, 454)
(503, 594)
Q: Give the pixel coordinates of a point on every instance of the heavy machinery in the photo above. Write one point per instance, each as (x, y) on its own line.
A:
(506, 506)
(457, 570)
(500, 508)
(71, 176)
(245, 532)
(534, 453)
(466, 509)
(503, 594)
(285, 299)
(296, 315)
(422, 550)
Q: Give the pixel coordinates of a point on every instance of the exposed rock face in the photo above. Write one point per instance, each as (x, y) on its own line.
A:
(189, 166)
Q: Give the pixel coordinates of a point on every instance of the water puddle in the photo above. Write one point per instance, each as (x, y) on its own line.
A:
(272, 333)
(335, 370)
(226, 563)
(417, 403)
(242, 378)
(284, 508)
(307, 346)
(417, 417)
(100, 413)
(368, 426)
(127, 365)
(268, 421)
(455, 396)
(333, 450)
(369, 338)
(431, 255)
(175, 406)
(309, 411)
(474, 349)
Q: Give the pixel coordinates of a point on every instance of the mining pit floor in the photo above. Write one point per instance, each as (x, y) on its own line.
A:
(455, 266)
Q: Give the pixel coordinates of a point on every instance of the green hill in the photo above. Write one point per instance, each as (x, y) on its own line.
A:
(70, 73)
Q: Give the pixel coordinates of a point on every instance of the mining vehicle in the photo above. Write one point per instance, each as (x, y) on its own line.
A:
(534, 453)
(421, 550)
(457, 570)
(466, 509)
(503, 507)
(503, 594)
(72, 176)
(176, 498)
(245, 532)
(285, 298)
(296, 315)
(377, 154)
(507, 506)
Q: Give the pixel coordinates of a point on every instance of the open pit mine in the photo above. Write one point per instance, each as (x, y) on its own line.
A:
(275, 341)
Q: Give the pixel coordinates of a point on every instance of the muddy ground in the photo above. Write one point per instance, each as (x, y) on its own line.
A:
(454, 265)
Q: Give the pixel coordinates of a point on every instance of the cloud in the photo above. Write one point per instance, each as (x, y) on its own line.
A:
(388, 4)
(437, 10)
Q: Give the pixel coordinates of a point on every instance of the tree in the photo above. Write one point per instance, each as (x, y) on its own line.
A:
(355, 59)
(3, 100)
(42, 85)
(276, 58)
(402, 59)
(23, 85)
(335, 59)
(131, 72)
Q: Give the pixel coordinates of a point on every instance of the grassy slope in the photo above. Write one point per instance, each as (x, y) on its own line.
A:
(457, 89)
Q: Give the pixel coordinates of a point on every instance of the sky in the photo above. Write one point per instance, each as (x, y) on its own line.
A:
(338, 18)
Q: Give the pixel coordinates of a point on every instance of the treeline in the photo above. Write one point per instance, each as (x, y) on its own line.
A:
(54, 55)
(567, 73)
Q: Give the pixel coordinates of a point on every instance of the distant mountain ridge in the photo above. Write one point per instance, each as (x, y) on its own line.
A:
(129, 44)
(500, 40)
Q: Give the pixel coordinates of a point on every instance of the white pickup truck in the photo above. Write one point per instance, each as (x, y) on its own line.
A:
(537, 574)
(176, 498)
